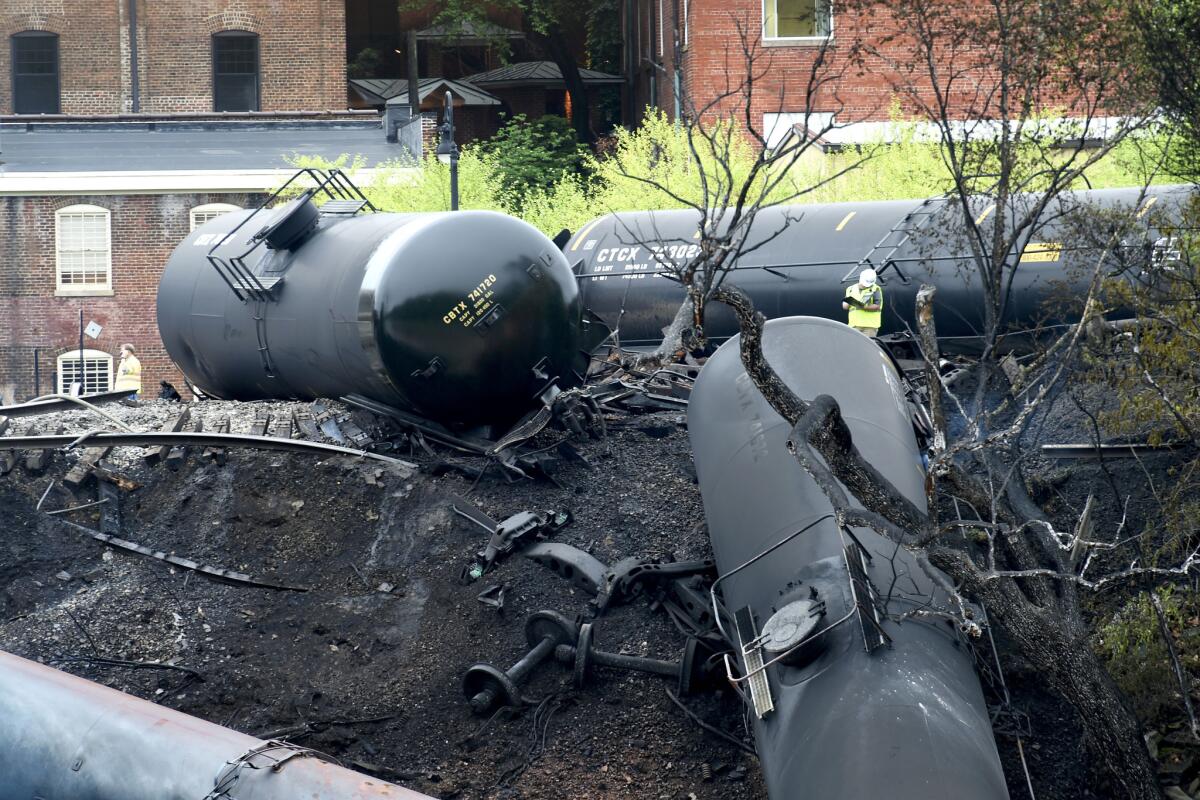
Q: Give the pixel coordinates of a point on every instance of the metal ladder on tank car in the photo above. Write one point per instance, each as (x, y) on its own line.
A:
(893, 240)
(344, 199)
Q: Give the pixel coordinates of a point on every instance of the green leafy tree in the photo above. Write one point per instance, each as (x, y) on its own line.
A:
(551, 25)
(533, 156)
(1170, 32)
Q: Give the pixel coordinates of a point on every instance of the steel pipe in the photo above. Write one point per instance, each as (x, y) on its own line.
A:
(65, 738)
(48, 406)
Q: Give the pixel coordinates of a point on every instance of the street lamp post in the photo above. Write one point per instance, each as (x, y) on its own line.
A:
(447, 150)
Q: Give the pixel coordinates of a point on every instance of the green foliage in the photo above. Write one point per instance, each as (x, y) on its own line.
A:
(1170, 33)
(519, 173)
(1132, 646)
(366, 64)
(531, 157)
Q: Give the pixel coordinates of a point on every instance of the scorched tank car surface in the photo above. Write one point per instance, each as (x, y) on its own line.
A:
(843, 713)
(465, 318)
(800, 259)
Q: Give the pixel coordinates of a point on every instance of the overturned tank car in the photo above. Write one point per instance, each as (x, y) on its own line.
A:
(849, 702)
(800, 259)
(470, 318)
(65, 738)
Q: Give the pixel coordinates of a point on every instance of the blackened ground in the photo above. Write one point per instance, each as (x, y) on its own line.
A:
(312, 667)
(373, 677)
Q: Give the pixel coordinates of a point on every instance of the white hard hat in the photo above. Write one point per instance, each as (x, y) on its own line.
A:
(867, 277)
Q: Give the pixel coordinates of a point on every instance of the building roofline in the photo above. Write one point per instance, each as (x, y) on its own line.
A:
(368, 118)
(27, 184)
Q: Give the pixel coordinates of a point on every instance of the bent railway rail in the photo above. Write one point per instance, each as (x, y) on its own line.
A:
(160, 438)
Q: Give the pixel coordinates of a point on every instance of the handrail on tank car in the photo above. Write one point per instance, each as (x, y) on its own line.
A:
(334, 183)
(718, 607)
(757, 640)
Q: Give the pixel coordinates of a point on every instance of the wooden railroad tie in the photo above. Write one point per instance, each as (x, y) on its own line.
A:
(173, 425)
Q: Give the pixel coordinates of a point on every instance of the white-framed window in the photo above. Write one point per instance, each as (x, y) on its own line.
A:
(83, 241)
(797, 19)
(210, 211)
(97, 371)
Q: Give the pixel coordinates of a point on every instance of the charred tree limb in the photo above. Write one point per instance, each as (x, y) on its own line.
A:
(1065, 660)
(822, 430)
(927, 333)
(750, 324)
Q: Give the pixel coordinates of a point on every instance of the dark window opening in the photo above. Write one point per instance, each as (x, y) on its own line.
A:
(35, 72)
(235, 71)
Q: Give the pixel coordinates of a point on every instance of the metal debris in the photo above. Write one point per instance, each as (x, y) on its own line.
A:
(58, 404)
(506, 535)
(1130, 450)
(166, 439)
(614, 585)
(217, 573)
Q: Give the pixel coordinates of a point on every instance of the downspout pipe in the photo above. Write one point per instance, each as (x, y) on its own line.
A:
(134, 82)
(65, 738)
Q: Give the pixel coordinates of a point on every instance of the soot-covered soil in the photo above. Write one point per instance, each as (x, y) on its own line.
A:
(367, 664)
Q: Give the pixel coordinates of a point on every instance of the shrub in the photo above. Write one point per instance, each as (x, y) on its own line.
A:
(529, 157)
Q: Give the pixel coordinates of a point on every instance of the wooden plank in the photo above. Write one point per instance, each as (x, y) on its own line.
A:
(282, 429)
(173, 425)
(81, 474)
(262, 421)
(36, 461)
(106, 472)
(8, 459)
(303, 421)
(217, 454)
(177, 456)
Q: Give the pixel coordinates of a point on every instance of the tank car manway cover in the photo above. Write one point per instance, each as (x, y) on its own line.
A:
(791, 625)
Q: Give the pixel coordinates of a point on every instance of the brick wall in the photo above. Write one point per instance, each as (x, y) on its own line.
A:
(145, 230)
(89, 46)
(302, 51)
(709, 48)
(862, 80)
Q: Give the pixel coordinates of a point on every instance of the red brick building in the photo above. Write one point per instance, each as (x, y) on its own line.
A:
(691, 50)
(90, 213)
(99, 254)
(166, 56)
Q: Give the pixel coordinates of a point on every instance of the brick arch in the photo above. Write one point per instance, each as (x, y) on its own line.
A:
(34, 21)
(60, 203)
(234, 18)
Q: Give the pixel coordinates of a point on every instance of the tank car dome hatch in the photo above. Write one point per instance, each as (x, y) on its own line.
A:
(786, 634)
(465, 318)
(292, 224)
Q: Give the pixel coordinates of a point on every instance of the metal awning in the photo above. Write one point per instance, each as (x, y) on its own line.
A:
(394, 91)
(545, 74)
(468, 32)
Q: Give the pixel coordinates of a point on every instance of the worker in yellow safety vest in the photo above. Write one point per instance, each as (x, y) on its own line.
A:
(866, 310)
(129, 372)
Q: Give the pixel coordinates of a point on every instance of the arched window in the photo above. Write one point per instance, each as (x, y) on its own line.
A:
(210, 211)
(84, 247)
(35, 72)
(235, 71)
(96, 373)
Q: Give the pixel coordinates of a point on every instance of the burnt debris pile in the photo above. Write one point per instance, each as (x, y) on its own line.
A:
(422, 512)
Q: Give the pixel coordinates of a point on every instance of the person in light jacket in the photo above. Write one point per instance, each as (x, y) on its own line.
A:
(129, 372)
(866, 312)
